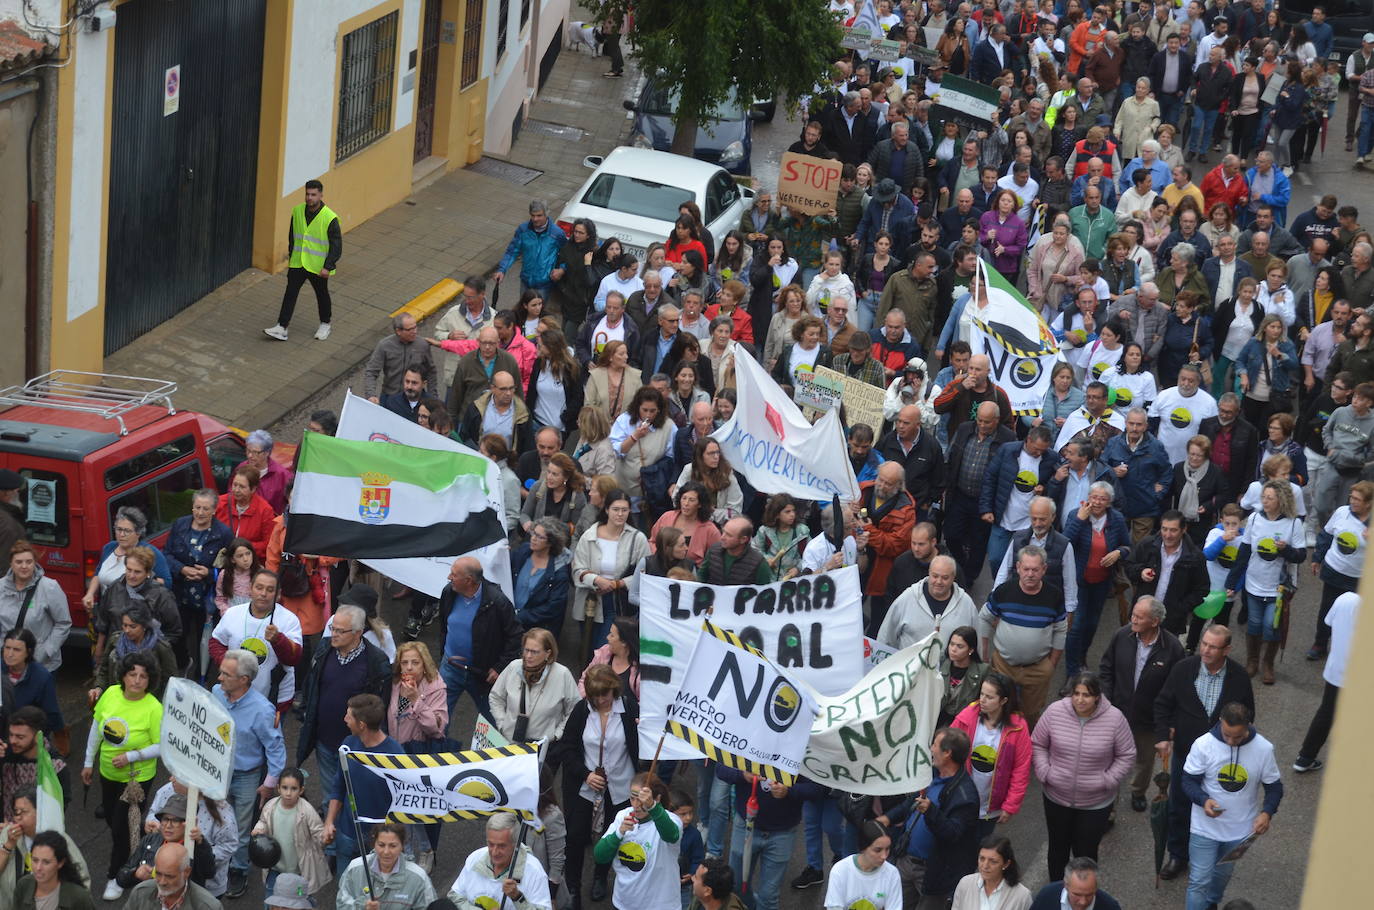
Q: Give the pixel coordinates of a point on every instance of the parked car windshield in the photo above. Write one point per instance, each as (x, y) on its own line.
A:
(636, 196)
(659, 102)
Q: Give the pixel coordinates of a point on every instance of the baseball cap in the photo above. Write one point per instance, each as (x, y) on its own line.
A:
(1368, 38)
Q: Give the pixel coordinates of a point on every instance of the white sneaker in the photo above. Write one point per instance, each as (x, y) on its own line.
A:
(112, 891)
(277, 332)
(322, 332)
(1359, 160)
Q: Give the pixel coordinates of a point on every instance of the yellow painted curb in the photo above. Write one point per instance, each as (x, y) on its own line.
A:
(429, 303)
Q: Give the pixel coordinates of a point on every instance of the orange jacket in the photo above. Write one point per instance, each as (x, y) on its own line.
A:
(1082, 44)
(311, 614)
(889, 533)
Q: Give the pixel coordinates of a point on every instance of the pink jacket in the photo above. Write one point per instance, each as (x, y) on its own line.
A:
(602, 655)
(426, 719)
(1012, 776)
(521, 348)
(1081, 764)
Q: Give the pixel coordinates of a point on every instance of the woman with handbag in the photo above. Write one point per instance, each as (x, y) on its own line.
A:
(417, 716)
(642, 438)
(1187, 339)
(534, 694)
(1268, 370)
(605, 556)
(599, 756)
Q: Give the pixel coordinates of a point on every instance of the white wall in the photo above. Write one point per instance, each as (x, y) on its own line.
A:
(40, 13)
(312, 97)
(510, 76)
(90, 58)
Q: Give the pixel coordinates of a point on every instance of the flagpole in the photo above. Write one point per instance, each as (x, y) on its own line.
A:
(357, 826)
(515, 855)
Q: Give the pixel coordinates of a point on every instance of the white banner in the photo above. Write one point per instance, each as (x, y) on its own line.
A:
(361, 419)
(738, 708)
(875, 738)
(811, 627)
(772, 444)
(449, 786)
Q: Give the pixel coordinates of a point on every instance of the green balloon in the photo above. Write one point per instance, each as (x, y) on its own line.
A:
(1111, 397)
(1211, 605)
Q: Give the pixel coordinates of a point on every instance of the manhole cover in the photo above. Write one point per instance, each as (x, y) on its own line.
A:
(571, 133)
(504, 170)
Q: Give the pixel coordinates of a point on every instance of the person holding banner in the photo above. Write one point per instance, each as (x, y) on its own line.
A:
(504, 872)
(941, 821)
(641, 846)
(598, 754)
(364, 717)
(390, 879)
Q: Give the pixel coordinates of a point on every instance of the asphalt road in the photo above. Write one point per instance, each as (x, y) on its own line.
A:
(1272, 873)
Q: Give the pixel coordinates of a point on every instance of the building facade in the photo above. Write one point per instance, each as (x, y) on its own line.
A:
(182, 133)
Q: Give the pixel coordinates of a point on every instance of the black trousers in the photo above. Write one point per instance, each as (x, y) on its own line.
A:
(1330, 591)
(1072, 832)
(579, 818)
(1320, 727)
(611, 47)
(295, 278)
(1243, 128)
(966, 534)
(117, 819)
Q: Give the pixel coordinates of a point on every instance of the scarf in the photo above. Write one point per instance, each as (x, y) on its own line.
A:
(124, 646)
(1188, 500)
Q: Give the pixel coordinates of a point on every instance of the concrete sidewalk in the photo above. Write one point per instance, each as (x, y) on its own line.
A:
(452, 226)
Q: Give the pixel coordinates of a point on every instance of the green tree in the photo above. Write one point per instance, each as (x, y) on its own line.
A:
(702, 49)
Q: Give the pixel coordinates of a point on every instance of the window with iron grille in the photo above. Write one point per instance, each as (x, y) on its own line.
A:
(524, 12)
(502, 27)
(472, 41)
(367, 85)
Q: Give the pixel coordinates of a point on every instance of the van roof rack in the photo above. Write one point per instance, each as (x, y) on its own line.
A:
(107, 395)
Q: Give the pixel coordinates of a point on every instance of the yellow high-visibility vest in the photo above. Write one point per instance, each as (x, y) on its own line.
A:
(312, 240)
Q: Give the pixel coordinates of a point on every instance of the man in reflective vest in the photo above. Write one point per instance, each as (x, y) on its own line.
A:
(314, 243)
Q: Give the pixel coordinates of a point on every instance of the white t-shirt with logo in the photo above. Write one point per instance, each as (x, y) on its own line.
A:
(1133, 390)
(983, 760)
(1267, 568)
(1232, 776)
(851, 888)
(645, 866)
(239, 628)
(1346, 553)
(1016, 515)
(1218, 569)
(1179, 418)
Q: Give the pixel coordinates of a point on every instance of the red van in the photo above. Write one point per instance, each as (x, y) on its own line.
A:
(88, 443)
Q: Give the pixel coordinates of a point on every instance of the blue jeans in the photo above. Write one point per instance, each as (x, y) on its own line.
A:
(1207, 879)
(1366, 145)
(346, 844)
(459, 681)
(327, 760)
(722, 807)
(243, 796)
(1204, 122)
(821, 818)
(1091, 597)
(1260, 616)
(769, 853)
(999, 538)
(1168, 108)
(867, 312)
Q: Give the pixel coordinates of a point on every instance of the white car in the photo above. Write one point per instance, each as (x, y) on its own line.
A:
(635, 193)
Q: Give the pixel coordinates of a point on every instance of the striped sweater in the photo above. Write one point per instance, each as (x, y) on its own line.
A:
(1024, 628)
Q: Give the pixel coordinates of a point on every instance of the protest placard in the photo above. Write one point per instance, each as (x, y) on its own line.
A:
(808, 185)
(875, 738)
(197, 738)
(811, 627)
(969, 104)
(863, 402)
(819, 390)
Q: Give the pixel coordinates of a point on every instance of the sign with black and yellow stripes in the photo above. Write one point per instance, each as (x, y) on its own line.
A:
(737, 707)
(448, 786)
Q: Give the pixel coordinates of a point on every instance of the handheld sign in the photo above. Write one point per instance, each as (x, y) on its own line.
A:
(808, 185)
(197, 738)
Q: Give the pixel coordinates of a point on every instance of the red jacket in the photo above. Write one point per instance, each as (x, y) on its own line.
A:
(744, 326)
(889, 534)
(1214, 190)
(254, 525)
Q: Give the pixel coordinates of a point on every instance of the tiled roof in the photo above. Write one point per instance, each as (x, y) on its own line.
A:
(17, 48)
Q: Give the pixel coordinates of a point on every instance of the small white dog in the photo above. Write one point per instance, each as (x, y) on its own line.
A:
(581, 36)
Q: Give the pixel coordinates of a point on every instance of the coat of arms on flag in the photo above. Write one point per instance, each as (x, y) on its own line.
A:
(375, 503)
